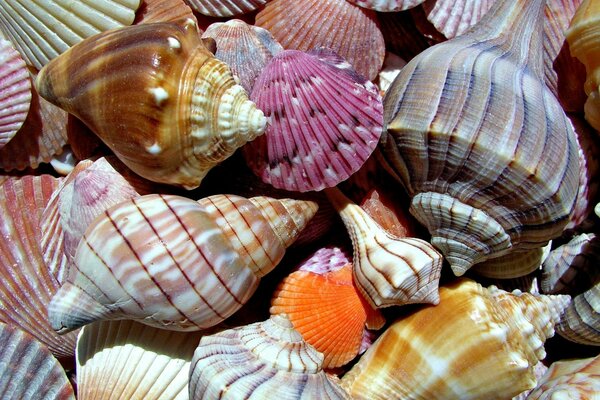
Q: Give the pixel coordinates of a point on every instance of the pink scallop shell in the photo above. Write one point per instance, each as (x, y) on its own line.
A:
(15, 92)
(326, 121)
(352, 32)
(387, 5)
(453, 18)
(225, 8)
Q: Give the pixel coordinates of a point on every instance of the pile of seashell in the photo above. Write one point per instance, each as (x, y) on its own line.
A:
(299, 199)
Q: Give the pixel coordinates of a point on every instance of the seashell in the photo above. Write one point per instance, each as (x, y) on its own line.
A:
(582, 37)
(539, 371)
(387, 5)
(570, 379)
(263, 360)
(581, 322)
(128, 360)
(320, 134)
(348, 30)
(379, 205)
(513, 265)
(325, 307)
(477, 343)
(387, 269)
(15, 92)
(151, 11)
(245, 48)
(26, 285)
(174, 263)
(401, 34)
(225, 8)
(41, 29)
(573, 267)
(175, 135)
(453, 18)
(28, 370)
(64, 162)
(483, 191)
(392, 65)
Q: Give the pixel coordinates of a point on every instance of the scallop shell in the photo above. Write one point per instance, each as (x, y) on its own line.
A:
(245, 48)
(477, 343)
(387, 5)
(42, 29)
(127, 360)
(174, 263)
(15, 92)
(576, 379)
(258, 361)
(348, 30)
(387, 269)
(225, 8)
(26, 284)
(151, 11)
(323, 304)
(28, 371)
(183, 113)
(581, 322)
(453, 18)
(401, 34)
(492, 167)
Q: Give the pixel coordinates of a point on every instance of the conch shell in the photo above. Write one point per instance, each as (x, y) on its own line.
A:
(157, 96)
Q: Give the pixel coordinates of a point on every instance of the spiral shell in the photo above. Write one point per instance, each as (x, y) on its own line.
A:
(171, 262)
(477, 343)
(581, 322)
(577, 379)
(480, 143)
(263, 360)
(180, 106)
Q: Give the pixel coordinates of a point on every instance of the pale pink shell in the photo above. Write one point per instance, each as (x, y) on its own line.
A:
(324, 131)
(453, 18)
(387, 5)
(225, 8)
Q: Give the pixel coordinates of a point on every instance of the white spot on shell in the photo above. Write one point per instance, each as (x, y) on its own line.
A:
(160, 95)
(154, 149)
(174, 43)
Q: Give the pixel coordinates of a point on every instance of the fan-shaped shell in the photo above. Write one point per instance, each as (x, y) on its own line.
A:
(581, 322)
(481, 144)
(577, 379)
(127, 360)
(263, 360)
(324, 131)
(28, 371)
(225, 8)
(348, 30)
(476, 343)
(387, 5)
(15, 92)
(181, 109)
(174, 263)
(453, 18)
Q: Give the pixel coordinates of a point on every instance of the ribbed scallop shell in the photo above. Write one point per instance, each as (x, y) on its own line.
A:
(325, 306)
(225, 8)
(28, 371)
(127, 360)
(245, 48)
(453, 18)
(577, 379)
(481, 144)
(151, 11)
(477, 343)
(325, 121)
(26, 285)
(15, 92)
(174, 263)
(387, 5)
(180, 106)
(581, 322)
(348, 30)
(43, 29)
(264, 360)
(388, 270)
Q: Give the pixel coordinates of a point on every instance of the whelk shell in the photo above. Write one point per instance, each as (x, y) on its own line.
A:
(180, 107)
(15, 92)
(577, 379)
(581, 322)
(492, 167)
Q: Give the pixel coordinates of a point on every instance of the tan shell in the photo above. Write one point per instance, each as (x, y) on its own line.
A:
(169, 120)
(577, 379)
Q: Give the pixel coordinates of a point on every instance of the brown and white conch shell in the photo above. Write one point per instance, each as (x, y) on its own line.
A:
(158, 97)
(575, 379)
(175, 263)
(264, 360)
(477, 343)
(483, 147)
(581, 322)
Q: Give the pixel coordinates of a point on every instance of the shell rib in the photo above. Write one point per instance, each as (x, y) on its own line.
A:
(477, 343)
(15, 92)
(129, 361)
(265, 360)
(387, 269)
(28, 371)
(387, 5)
(42, 29)
(179, 106)
(513, 265)
(453, 18)
(174, 263)
(577, 379)
(324, 131)
(225, 8)
(480, 143)
(581, 322)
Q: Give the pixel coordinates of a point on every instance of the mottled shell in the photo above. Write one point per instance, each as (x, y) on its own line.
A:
(42, 29)
(577, 379)
(225, 8)
(477, 343)
(15, 92)
(174, 263)
(480, 143)
(265, 360)
(581, 322)
(174, 110)
(126, 360)
(387, 5)
(28, 371)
